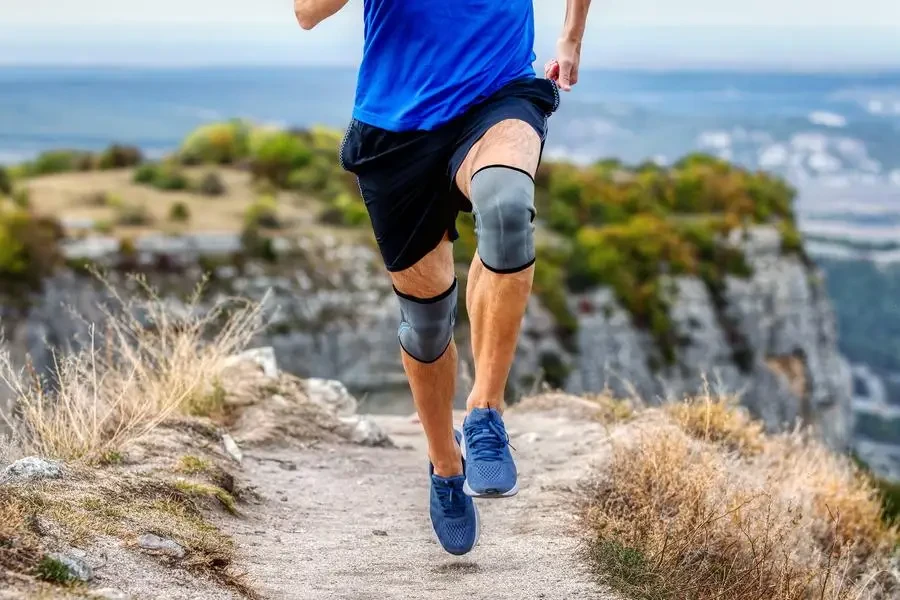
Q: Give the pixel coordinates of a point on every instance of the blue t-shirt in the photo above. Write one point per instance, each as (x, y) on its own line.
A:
(427, 61)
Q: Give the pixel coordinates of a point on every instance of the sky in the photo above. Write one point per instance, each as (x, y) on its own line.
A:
(762, 34)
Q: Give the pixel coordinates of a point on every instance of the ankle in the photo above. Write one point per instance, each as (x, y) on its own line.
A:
(448, 468)
(472, 403)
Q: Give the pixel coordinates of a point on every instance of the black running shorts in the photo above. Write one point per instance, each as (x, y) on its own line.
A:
(407, 178)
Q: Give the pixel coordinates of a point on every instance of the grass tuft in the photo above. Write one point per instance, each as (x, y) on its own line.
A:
(697, 503)
(53, 571)
(140, 367)
(207, 490)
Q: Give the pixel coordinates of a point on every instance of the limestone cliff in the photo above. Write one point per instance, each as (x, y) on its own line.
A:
(770, 338)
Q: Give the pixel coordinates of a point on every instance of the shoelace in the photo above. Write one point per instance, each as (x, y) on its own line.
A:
(486, 440)
(452, 500)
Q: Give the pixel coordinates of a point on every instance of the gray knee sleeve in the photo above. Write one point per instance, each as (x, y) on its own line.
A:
(426, 325)
(503, 204)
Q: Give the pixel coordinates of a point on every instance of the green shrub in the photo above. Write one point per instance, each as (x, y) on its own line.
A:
(29, 246)
(6, 186)
(313, 178)
(179, 212)
(119, 157)
(263, 213)
(146, 174)
(212, 185)
(274, 154)
(21, 197)
(162, 176)
(256, 245)
(216, 143)
(103, 226)
(61, 161)
(353, 210)
(133, 215)
(791, 240)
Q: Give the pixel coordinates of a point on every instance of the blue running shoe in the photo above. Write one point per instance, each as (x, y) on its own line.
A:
(453, 513)
(490, 470)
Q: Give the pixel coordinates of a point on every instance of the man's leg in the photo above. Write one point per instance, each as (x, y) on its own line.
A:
(496, 299)
(427, 293)
(432, 381)
(497, 176)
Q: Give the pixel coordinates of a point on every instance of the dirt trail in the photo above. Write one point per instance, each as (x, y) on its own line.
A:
(348, 522)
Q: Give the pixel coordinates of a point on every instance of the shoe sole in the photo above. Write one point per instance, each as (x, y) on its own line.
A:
(487, 494)
(490, 494)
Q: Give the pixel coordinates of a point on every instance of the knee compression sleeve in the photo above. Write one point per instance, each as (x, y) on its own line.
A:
(503, 203)
(426, 325)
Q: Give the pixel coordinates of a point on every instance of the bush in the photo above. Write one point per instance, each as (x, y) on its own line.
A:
(61, 161)
(216, 143)
(119, 157)
(179, 212)
(21, 197)
(274, 154)
(29, 247)
(133, 215)
(165, 176)
(695, 509)
(212, 185)
(6, 186)
(263, 213)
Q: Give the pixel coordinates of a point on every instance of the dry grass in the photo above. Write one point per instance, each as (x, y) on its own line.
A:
(88, 504)
(719, 419)
(143, 366)
(697, 503)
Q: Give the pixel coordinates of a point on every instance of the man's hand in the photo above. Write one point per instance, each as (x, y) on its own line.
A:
(564, 68)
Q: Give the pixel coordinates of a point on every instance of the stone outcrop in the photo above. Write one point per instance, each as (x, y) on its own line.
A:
(772, 341)
(769, 338)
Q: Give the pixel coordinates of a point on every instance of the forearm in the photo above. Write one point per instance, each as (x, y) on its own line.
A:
(312, 12)
(576, 19)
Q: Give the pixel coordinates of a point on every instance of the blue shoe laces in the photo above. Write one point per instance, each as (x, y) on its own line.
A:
(453, 500)
(486, 440)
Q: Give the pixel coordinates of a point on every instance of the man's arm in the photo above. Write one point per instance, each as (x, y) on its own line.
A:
(312, 12)
(564, 69)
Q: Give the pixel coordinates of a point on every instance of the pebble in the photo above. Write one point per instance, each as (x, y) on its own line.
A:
(232, 449)
(31, 468)
(148, 541)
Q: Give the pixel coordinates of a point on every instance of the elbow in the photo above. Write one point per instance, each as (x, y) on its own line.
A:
(305, 17)
(306, 21)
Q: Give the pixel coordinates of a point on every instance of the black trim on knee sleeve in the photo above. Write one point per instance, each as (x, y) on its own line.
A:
(427, 362)
(437, 298)
(523, 171)
(508, 271)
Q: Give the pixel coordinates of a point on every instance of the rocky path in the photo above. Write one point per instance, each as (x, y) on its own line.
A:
(351, 523)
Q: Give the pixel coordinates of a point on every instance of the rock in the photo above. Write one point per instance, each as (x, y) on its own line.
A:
(379, 532)
(77, 568)
(531, 437)
(108, 594)
(232, 449)
(31, 468)
(331, 394)
(366, 432)
(264, 357)
(165, 546)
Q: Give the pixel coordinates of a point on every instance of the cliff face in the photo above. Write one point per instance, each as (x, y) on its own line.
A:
(769, 338)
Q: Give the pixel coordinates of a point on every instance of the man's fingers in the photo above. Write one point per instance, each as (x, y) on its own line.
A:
(551, 69)
(565, 76)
